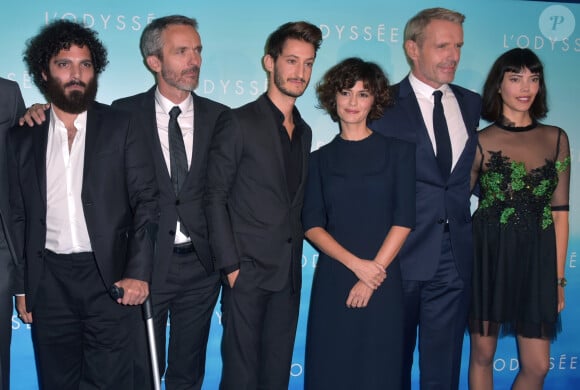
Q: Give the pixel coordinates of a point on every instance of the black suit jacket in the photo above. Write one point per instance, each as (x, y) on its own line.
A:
(119, 196)
(188, 204)
(249, 210)
(11, 109)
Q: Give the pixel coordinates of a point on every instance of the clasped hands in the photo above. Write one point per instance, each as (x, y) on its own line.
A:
(371, 275)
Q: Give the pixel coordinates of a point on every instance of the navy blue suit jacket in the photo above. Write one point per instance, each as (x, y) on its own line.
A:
(437, 197)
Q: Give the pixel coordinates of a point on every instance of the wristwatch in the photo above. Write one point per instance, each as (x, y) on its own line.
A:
(562, 282)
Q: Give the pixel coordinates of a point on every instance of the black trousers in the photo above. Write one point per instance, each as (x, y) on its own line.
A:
(82, 338)
(259, 332)
(188, 298)
(6, 310)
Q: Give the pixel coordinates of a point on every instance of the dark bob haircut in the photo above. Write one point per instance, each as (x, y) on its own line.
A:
(514, 60)
(53, 38)
(344, 75)
(302, 31)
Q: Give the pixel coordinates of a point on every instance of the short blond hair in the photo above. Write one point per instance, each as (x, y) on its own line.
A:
(415, 27)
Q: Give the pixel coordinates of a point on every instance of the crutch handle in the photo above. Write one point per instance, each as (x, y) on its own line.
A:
(116, 292)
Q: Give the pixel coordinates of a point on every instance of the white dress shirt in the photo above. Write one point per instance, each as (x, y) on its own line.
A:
(455, 124)
(185, 120)
(66, 228)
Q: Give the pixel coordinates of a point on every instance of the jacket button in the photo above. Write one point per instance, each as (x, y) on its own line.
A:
(177, 202)
(289, 240)
(172, 233)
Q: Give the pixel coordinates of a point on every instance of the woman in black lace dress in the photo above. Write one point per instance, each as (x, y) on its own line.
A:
(521, 224)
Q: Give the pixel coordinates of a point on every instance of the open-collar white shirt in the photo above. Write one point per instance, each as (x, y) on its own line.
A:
(66, 228)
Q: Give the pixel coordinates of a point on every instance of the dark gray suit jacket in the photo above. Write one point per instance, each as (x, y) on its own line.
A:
(119, 196)
(11, 109)
(250, 214)
(188, 205)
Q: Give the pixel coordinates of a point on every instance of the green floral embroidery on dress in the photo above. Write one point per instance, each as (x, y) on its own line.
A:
(547, 217)
(517, 176)
(544, 186)
(512, 195)
(492, 181)
(541, 189)
(506, 213)
(561, 166)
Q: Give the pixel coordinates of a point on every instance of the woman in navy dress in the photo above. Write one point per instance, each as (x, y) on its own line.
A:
(358, 210)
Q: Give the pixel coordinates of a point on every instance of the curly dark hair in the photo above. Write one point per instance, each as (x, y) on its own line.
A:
(513, 60)
(53, 38)
(344, 75)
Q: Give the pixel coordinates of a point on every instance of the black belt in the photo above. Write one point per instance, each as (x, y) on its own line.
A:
(69, 256)
(181, 249)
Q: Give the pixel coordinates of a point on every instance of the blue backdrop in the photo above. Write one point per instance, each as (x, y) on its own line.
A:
(233, 34)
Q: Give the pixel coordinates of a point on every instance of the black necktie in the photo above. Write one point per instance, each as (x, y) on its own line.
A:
(177, 156)
(442, 140)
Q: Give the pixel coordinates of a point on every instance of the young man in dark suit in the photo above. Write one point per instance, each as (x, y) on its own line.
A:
(11, 108)
(256, 176)
(185, 284)
(84, 202)
(436, 258)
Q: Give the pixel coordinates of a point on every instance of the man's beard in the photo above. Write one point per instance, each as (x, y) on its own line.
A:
(76, 101)
(173, 78)
(280, 84)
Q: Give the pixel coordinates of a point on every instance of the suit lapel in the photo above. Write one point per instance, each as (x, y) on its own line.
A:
(465, 154)
(305, 155)
(201, 134)
(150, 129)
(94, 120)
(408, 102)
(270, 126)
(40, 145)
